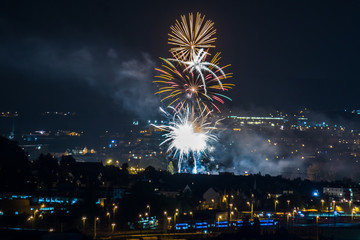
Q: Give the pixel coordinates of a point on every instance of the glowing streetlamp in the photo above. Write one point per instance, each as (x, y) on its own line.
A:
(114, 210)
(219, 220)
(322, 204)
(36, 211)
(108, 215)
(96, 219)
(276, 202)
(83, 222)
(112, 227)
(175, 217)
(148, 207)
(169, 220)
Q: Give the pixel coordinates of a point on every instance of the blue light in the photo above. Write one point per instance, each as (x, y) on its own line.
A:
(201, 223)
(198, 227)
(16, 213)
(47, 209)
(113, 141)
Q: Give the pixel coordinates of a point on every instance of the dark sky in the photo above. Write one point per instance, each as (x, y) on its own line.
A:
(98, 56)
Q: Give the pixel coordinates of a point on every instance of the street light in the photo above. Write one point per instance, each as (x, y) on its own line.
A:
(219, 220)
(175, 217)
(322, 204)
(287, 218)
(288, 202)
(276, 202)
(169, 219)
(83, 221)
(108, 214)
(112, 227)
(114, 210)
(96, 219)
(148, 206)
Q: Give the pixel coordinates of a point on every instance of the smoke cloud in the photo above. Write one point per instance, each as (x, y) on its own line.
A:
(125, 80)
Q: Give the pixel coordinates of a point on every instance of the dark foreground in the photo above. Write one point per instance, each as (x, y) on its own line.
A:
(321, 232)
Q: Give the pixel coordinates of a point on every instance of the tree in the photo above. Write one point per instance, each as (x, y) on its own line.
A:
(48, 170)
(14, 166)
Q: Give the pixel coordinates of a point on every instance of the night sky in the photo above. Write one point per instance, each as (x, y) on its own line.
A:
(98, 56)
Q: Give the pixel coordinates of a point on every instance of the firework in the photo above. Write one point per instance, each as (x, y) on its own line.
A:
(193, 87)
(199, 65)
(189, 36)
(187, 136)
(182, 88)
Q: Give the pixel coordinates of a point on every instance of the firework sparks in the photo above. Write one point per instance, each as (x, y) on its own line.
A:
(187, 136)
(189, 36)
(198, 64)
(188, 81)
(182, 88)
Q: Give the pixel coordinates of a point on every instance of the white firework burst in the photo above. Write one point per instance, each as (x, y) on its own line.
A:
(187, 136)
